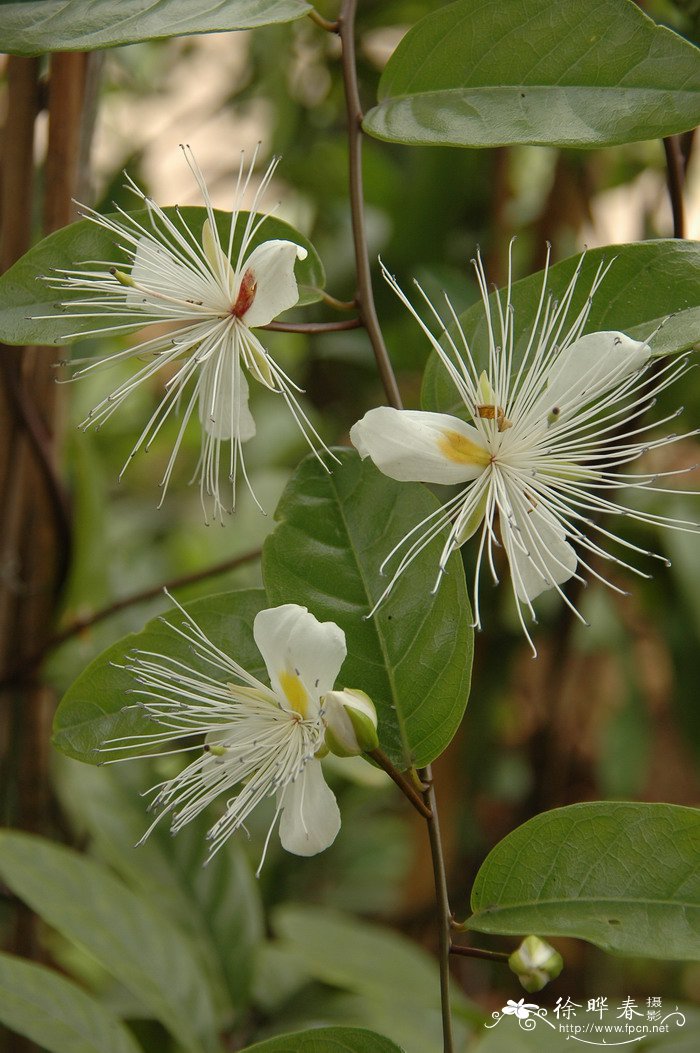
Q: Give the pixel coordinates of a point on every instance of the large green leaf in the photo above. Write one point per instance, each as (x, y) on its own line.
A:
(93, 709)
(150, 956)
(413, 656)
(34, 26)
(384, 980)
(56, 1014)
(621, 875)
(25, 294)
(647, 282)
(583, 73)
(219, 904)
(327, 1040)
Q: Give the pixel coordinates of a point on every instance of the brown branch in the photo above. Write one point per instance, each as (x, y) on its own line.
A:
(477, 952)
(365, 294)
(403, 784)
(675, 177)
(323, 23)
(443, 904)
(79, 625)
(313, 328)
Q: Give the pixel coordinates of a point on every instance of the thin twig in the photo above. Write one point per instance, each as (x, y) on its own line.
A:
(365, 303)
(403, 784)
(324, 23)
(79, 625)
(477, 952)
(443, 905)
(313, 328)
(364, 295)
(675, 179)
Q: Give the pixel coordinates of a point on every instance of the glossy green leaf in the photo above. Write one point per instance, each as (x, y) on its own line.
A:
(93, 709)
(25, 294)
(647, 282)
(85, 902)
(56, 1014)
(413, 656)
(35, 26)
(621, 875)
(327, 1040)
(583, 73)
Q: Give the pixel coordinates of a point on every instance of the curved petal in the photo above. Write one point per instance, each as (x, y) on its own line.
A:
(416, 446)
(310, 818)
(303, 656)
(223, 398)
(270, 268)
(540, 557)
(588, 368)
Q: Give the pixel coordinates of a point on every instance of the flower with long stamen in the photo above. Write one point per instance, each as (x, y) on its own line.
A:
(538, 458)
(257, 740)
(212, 291)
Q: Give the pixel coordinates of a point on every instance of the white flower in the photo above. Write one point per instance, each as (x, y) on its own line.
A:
(257, 740)
(539, 461)
(213, 303)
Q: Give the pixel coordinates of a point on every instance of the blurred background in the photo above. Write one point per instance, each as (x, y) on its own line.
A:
(605, 712)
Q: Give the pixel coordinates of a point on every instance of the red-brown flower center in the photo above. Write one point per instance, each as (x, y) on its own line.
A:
(246, 295)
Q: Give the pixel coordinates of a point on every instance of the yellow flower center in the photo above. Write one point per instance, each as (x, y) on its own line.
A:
(295, 693)
(458, 448)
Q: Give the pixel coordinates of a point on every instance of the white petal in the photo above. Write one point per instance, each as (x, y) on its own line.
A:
(272, 267)
(310, 818)
(223, 398)
(303, 656)
(414, 446)
(589, 368)
(538, 552)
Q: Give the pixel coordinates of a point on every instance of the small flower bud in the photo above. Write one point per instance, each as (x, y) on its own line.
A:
(535, 963)
(351, 722)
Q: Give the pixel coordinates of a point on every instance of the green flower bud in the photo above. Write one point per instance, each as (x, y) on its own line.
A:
(535, 963)
(351, 722)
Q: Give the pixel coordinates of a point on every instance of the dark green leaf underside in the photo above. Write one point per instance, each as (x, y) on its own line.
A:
(583, 73)
(413, 657)
(36, 26)
(621, 875)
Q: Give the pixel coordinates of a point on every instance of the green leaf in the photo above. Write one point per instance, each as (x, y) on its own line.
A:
(583, 73)
(219, 904)
(51, 1011)
(385, 980)
(327, 1040)
(25, 294)
(93, 709)
(35, 26)
(621, 875)
(413, 657)
(647, 282)
(374, 960)
(151, 957)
